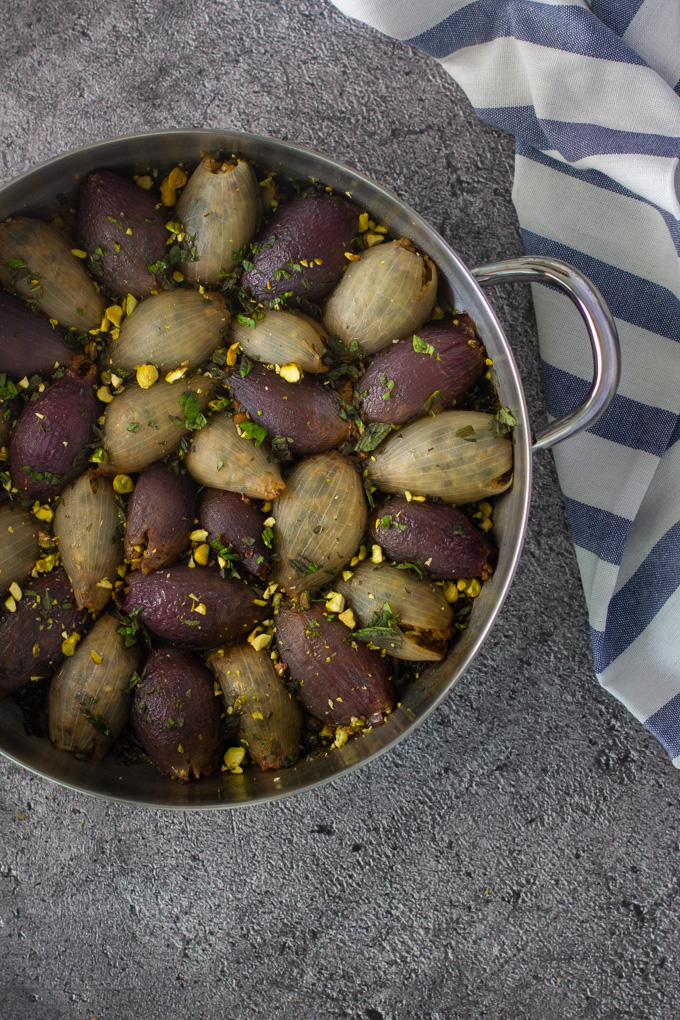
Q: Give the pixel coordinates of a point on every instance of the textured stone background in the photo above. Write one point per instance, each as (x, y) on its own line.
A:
(517, 857)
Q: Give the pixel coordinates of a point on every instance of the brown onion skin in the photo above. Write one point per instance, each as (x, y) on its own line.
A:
(317, 226)
(32, 624)
(165, 600)
(327, 669)
(437, 535)
(306, 412)
(104, 194)
(454, 368)
(28, 343)
(229, 518)
(160, 514)
(69, 408)
(175, 706)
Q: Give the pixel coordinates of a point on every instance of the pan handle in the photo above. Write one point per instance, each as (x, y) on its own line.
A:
(604, 338)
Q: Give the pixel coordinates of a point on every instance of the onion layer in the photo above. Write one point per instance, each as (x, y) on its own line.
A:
(224, 458)
(89, 700)
(320, 519)
(281, 338)
(386, 294)
(36, 259)
(418, 622)
(218, 210)
(86, 526)
(18, 544)
(174, 328)
(142, 426)
(270, 720)
(454, 456)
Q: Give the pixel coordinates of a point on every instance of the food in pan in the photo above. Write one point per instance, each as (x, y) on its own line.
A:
(249, 457)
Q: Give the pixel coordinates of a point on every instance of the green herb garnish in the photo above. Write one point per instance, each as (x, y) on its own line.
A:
(467, 433)
(254, 431)
(503, 423)
(421, 347)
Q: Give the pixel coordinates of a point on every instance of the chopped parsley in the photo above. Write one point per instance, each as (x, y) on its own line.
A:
(382, 631)
(373, 436)
(193, 417)
(467, 433)
(387, 521)
(253, 431)
(421, 347)
(503, 423)
(432, 397)
(281, 448)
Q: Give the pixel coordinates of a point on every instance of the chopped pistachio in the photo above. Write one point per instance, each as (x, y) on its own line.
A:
(335, 603)
(146, 375)
(68, 645)
(450, 591)
(43, 513)
(202, 554)
(177, 178)
(260, 641)
(122, 484)
(15, 590)
(233, 757)
(348, 619)
(79, 253)
(114, 313)
(96, 657)
(376, 554)
(176, 373)
(104, 394)
(291, 372)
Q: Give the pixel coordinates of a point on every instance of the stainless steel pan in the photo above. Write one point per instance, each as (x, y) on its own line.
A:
(35, 193)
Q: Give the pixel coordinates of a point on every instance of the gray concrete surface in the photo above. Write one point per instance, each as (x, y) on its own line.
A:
(517, 858)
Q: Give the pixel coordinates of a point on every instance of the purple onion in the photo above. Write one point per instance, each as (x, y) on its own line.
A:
(167, 601)
(110, 206)
(422, 373)
(31, 636)
(236, 523)
(306, 413)
(440, 537)
(176, 715)
(308, 228)
(160, 516)
(338, 682)
(49, 445)
(28, 343)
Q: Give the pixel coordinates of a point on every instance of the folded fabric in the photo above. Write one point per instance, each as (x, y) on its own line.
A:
(591, 92)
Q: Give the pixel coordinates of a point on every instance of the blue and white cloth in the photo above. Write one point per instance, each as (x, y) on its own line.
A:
(591, 91)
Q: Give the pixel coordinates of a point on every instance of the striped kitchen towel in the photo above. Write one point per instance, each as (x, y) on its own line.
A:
(591, 92)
